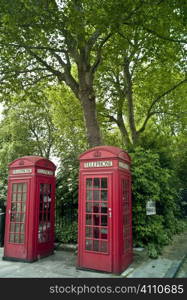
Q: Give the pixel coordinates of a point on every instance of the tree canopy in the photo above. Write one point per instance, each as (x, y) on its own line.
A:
(44, 40)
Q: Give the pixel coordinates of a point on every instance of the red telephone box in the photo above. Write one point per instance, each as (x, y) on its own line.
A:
(105, 210)
(29, 229)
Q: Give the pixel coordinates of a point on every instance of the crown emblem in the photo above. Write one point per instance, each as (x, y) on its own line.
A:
(97, 154)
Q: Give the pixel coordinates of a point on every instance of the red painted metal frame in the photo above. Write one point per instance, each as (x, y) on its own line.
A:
(118, 259)
(37, 170)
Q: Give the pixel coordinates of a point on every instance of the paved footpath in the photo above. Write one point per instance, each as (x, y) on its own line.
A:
(62, 265)
(59, 265)
(182, 272)
(165, 266)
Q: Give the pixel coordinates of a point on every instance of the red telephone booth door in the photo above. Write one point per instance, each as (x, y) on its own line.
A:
(46, 215)
(97, 220)
(127, 218)
(16, 237)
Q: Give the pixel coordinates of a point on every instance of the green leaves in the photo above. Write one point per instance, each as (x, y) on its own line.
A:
(27, 126)
(152, 182)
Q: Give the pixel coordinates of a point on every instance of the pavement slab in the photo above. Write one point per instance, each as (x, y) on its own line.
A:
(62, 264)
(59, 265)
(153, 268)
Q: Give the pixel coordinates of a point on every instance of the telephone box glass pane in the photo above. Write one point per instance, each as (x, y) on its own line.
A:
(88, 231)
(16, 238)
(96, 232)
(126, 215)
(19, 197)
(23, 207)
(14, 197)
(104, 233)
(126, 220)
(88, 219)
(88, 244)
(20, 187)
(96, 195)
(17, 217)
(96, 183)
(24, 197)
(22, 228)
(12, 227)
(96, 207)
(104, 183)
(12, 217)
(44, 229)
(104, 247)
(24, 187)
(11, 238)
(89, 195)
(104, 196)
(96, 220)
(104, 208)
(22, 219)
(95, 245)
(21, 238)
(19, 207)
(104, 220)
(14, 187)
(13, 207)
(127, 232)
(17, 228)
(88, 182)
(88, 207)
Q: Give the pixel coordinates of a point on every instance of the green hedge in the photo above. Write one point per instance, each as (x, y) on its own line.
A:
(152, 182)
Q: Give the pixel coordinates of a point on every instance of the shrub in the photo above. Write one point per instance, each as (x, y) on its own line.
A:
(66, 232)
(152, 182)
(67, 200)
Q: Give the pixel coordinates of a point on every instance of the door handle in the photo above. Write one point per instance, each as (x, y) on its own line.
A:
(110, 213)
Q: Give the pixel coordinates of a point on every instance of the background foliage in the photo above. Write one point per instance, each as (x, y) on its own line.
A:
(153, 182)
(75, 74)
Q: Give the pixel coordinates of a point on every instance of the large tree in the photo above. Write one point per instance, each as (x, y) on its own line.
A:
(43, 39)
(143, 81)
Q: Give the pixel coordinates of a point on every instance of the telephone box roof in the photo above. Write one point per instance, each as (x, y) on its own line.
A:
(105, 151)
(32, 161)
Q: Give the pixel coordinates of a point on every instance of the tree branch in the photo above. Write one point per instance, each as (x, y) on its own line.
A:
(129, 95)
(151, 113)
(98, 58)
(33, 47)
(39, 79)
(135, 10)
(91, 41)
(60, 60)
(44, 63)
(163, 37)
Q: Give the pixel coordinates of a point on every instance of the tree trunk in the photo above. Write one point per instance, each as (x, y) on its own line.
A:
(90, 116)
(127, 77)
(92, 127)
(123, 130)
